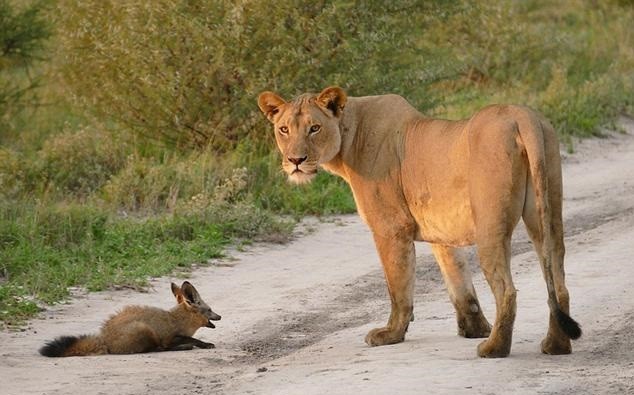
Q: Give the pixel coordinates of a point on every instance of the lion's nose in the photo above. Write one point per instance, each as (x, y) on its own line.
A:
(297, 161)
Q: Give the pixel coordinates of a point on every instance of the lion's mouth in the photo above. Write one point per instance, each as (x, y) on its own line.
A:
(301, 176)
(303, 171)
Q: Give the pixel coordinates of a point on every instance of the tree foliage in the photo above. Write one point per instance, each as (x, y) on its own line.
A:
(187, 73)
(23, 34)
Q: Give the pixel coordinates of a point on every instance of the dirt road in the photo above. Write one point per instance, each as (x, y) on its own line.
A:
(294, 316)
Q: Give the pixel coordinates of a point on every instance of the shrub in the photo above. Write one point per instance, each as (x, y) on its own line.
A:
(12, 174)
(23, 34)
(561, 60)
(581, 110)
(149, 184)
(79, 162)
(188, 73)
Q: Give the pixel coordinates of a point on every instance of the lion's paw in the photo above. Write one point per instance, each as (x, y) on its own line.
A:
(473, 327)
(384, 336)
(492, 349)
(556, 347)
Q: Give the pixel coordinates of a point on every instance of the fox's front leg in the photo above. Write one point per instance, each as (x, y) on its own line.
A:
(182, 343)
(399, 261)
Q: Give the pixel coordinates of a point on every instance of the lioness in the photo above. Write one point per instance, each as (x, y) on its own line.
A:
(450, 183)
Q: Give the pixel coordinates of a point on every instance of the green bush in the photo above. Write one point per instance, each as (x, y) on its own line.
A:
(79, 162)
(149, 184)
(12, 175)
(141, 185)
(188, 73)
(581, 110)
(184, 182)
(23, 34)
(562, 60)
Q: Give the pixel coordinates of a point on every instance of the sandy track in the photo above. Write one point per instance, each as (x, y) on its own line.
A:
(301, 311)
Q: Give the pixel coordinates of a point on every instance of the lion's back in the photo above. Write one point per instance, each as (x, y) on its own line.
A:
(383, 112)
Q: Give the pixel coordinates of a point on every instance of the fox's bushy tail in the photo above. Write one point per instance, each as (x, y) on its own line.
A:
(70, 346)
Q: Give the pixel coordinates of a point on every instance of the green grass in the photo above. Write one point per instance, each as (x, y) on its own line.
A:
(44, 250)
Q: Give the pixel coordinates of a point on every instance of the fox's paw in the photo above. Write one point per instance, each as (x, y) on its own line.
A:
(206, 345)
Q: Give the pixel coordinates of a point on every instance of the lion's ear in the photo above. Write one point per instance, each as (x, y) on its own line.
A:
(269, 104)
(334, 99)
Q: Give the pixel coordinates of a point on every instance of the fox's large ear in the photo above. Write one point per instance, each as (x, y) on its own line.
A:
(190, 293)
(269, 104)
(178, 293)
(334, 99)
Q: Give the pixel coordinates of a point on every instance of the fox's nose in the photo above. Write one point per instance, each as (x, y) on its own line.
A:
(297, 161)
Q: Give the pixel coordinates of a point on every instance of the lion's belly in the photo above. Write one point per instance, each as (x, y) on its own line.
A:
(448, 222)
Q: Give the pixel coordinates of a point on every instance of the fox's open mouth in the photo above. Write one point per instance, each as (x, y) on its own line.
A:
(214, 317)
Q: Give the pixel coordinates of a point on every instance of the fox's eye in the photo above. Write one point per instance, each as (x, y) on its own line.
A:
(315, 128)
(284, 129)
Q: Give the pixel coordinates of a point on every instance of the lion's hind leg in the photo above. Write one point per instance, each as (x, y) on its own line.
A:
(455, 270)
(497, 189)
(556, 341)
(495, 262)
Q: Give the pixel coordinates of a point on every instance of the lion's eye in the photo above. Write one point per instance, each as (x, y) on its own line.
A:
(284, 129)
(315, 129)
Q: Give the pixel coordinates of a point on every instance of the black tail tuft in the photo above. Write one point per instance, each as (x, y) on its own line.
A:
(570, 327)
(57, 347)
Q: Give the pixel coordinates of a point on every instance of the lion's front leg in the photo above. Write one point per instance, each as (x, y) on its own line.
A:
(399, 261)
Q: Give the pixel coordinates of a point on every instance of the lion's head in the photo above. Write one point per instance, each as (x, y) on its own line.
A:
(306, 129)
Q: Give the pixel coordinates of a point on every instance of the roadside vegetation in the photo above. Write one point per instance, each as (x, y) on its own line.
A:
(131, 145)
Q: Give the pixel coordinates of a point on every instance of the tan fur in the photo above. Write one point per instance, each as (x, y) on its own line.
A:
(140, 329)
(450, 183)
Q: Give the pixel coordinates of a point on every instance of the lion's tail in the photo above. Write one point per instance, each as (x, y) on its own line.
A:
(532, 134)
